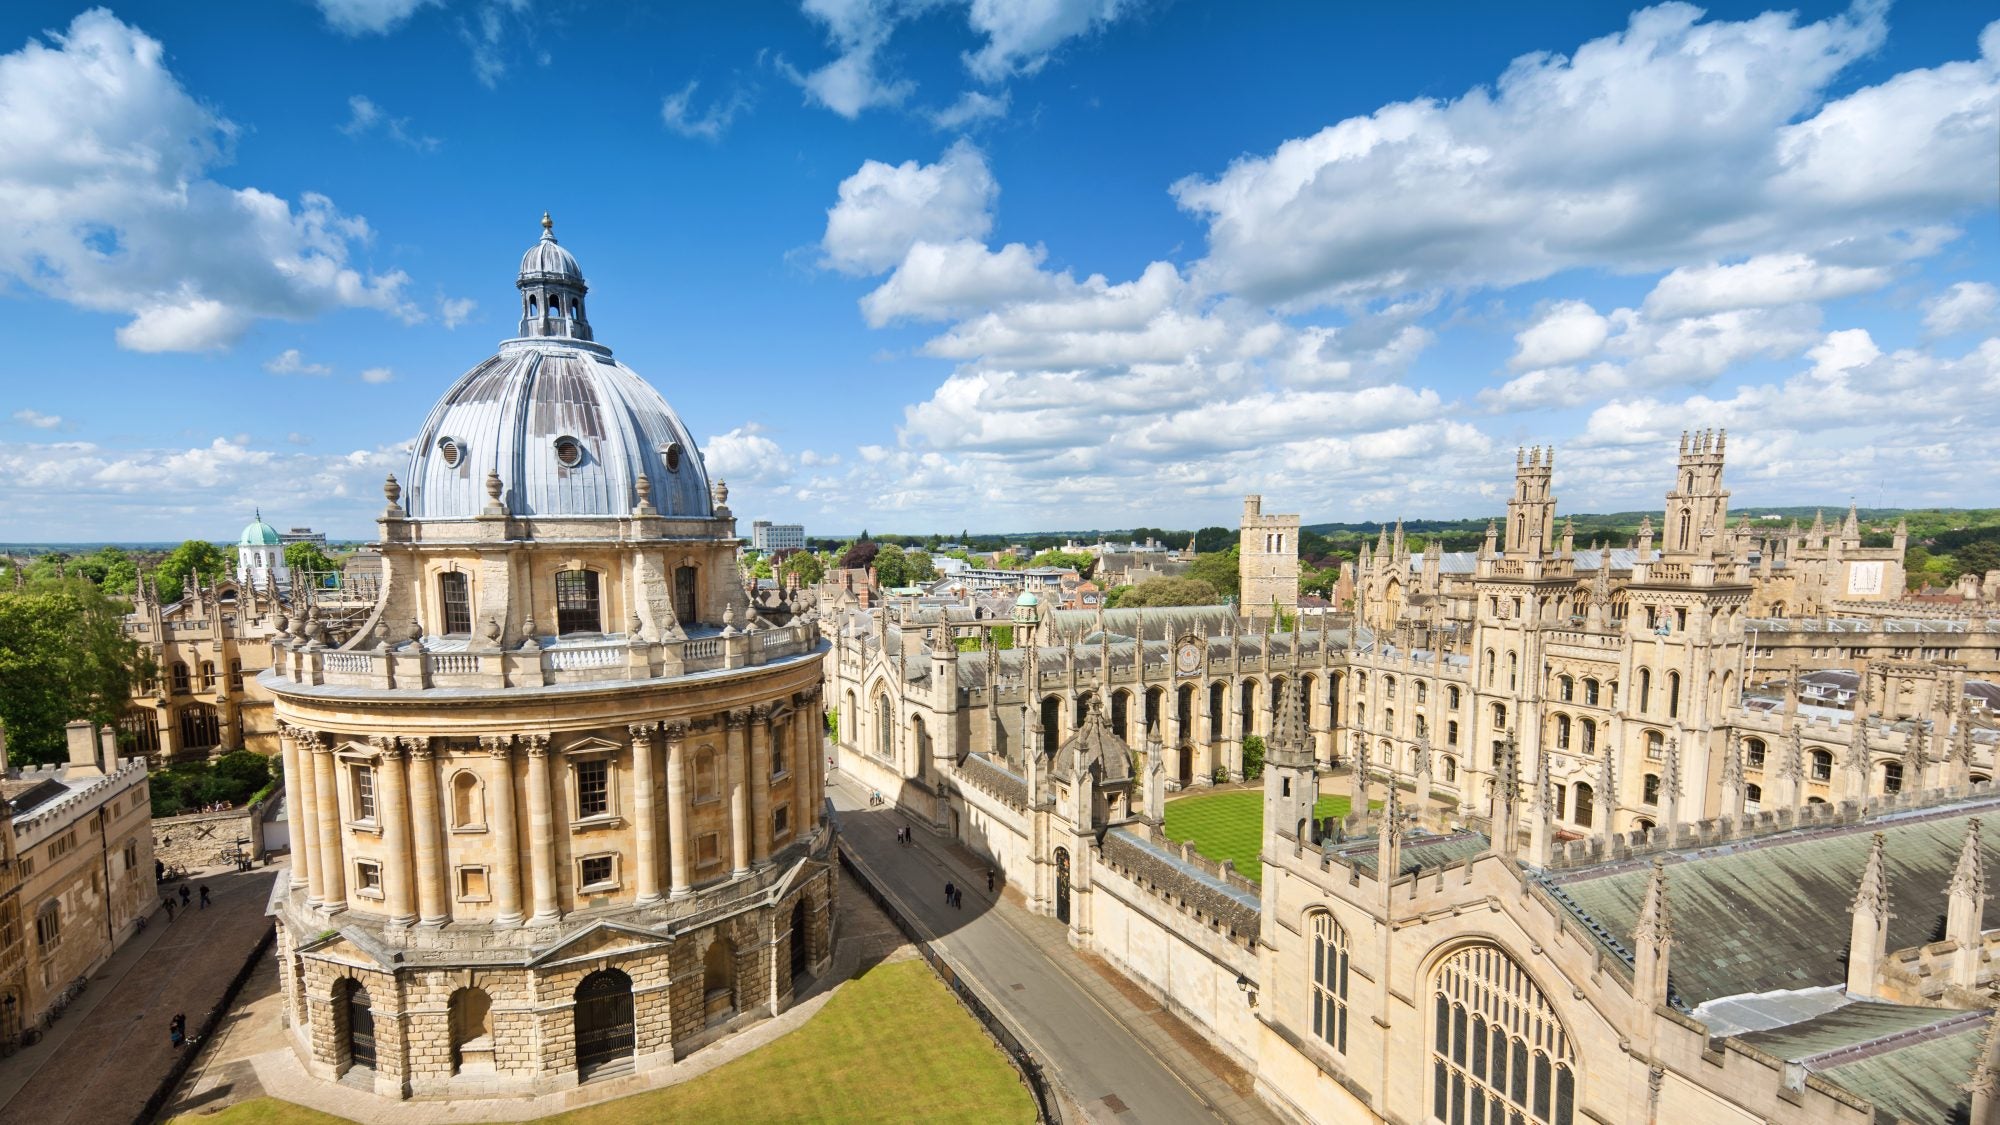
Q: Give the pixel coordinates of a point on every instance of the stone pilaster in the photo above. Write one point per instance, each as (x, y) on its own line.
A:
(506, 874)
(760, 785)
(645, 813)
(433, 904)
(739, 795)
(398, 897)
(329, 860)
(681, 856)
(541, 830)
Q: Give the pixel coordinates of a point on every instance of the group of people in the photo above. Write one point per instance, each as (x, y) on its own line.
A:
(168, 902)
(177, 1030)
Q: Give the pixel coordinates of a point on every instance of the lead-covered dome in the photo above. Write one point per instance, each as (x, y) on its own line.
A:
(568, 430)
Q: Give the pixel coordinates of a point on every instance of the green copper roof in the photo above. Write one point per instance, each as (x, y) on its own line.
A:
(258, 534)
(1773, 913)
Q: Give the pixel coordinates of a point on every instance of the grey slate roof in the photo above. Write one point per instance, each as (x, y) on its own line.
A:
(1772, 913)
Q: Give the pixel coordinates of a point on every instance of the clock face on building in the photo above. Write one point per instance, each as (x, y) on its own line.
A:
(1187, 658)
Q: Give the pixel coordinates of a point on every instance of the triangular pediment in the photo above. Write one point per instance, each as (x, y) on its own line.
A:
(590, 744)
(337, 945)
(600, 939)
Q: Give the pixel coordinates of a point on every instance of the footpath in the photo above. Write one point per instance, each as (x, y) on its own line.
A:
(105, 1058)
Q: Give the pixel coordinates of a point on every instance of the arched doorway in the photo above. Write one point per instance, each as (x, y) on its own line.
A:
(471, 1029)
(800, 937)
(356, 1022)
(604, 1031)
(1062, 885)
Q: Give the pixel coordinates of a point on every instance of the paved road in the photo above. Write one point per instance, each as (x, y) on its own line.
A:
(1113, 1074)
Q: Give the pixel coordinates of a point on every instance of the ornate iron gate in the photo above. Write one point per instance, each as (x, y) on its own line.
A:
(603, 1020)
(799, 938)
(1062, 885)
(360, 1028)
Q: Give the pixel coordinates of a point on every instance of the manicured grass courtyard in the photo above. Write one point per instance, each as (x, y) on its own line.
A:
(891, 1045)
(1231, 825)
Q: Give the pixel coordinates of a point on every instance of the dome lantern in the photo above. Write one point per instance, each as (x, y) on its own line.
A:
(552, 289)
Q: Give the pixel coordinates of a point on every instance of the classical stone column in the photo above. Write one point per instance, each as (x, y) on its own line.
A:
(298, 806)
(541, 830)
(397, 896)
(739, 796)
(678, 807)
(645, 813)
(506, 873)
(329, 861)
(808, 764)
(760, 785)
(433, 905)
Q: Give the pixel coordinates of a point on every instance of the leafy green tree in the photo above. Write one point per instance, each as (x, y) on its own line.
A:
(1113, 598)
(804, 567)
(300, 557)
(892, 567)
(1977, 557)
(64, 655)
(1082, 563)
(1170, 592)
(199, 557)
(921, 569)
(1211, 539)
(112, 569)
(1218, 570)
(1253, 757)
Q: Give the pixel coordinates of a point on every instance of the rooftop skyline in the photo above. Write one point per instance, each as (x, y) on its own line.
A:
(918, 267)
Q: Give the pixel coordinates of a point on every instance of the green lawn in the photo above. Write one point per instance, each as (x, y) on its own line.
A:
(1231, 825)
(891, 1045)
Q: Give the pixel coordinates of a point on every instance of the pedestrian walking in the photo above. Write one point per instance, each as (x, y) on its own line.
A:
(159, 870)
(958, 900)
(168, 902)
(177, 1030)
(989, 880)
(204, 896)
(950, 892)
(184, 895)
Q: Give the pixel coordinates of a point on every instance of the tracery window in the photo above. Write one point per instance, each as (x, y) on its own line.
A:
(1590, 692)
(1565, 689)
(1500, 1054)
(1753, 753)
(1892, 774)
(1329, 977)
(1822, 768)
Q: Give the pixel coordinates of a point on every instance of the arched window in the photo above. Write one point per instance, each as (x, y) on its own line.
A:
(1389, 687)
(471, 1012)
(1451, 698)
(236, 675)
(468, 800)
(1499, 716)
(1423, 728)
(707, 786)
(1651, 792)
(1588, 729)
(534, 306)
(1499, 1051)
(1513, 671)
(1329, 980)
(1655, 745)
(1450, 767)
(1565, 689)
(885, 730)
(1451, 732)
(1590, 692)
(1753, 753)
(577, 609)
(1892, 776)
(1822, 767)
(1753, 797)
(1489, 667)
(718, 978)
(1423, 691)
(207, 682)
(1562, 732)
(1645, 689)
(1586, 804)
(1673, 695)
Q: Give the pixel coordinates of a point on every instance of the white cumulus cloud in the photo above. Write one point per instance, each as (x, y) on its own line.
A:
(366, 17)
(292, 361)
(1963, 307)
(884, 209)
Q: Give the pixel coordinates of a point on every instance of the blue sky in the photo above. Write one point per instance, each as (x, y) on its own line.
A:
(928, 265)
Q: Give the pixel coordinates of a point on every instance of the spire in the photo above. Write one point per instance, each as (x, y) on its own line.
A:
(1607, 792)
(1868, 935)
(1653, 935)
(1969, 877)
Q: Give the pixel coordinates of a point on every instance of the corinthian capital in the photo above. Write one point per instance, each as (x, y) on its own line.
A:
(737, 719)
(642, 733)
(421, 747)
(499, 745)
(537, 744)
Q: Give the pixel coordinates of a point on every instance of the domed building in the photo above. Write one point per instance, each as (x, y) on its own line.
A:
(559, 800)
(260, 556)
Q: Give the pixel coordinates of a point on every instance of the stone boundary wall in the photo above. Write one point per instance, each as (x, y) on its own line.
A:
(195, 840)
(199, 1036)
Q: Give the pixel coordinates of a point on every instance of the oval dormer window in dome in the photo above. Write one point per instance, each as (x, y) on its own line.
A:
(569, 453)
(451, 450)
(672, 452)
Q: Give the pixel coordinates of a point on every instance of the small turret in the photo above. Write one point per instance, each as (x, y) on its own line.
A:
(1868, 936)
(1967, 906)
(1653, 939)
